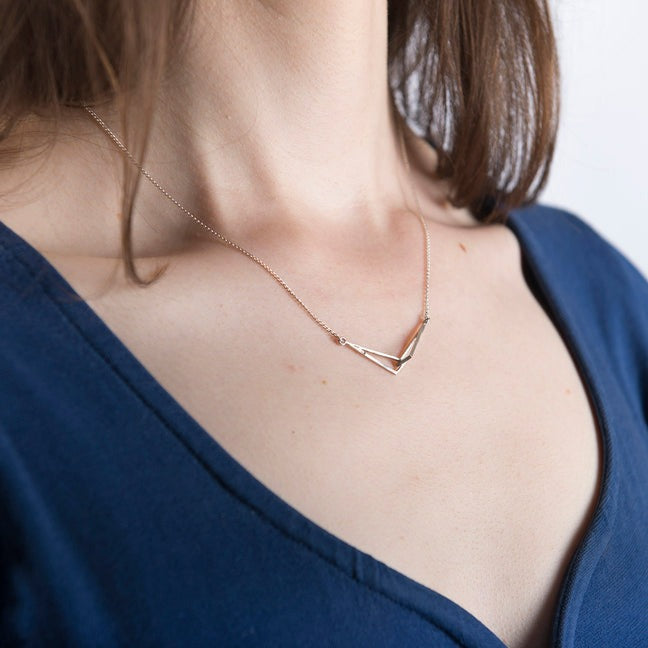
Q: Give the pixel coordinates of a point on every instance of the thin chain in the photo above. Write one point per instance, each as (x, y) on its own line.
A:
(426, 305)
(254, 258)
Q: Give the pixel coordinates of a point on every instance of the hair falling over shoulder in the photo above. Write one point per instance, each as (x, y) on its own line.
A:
(479, 77)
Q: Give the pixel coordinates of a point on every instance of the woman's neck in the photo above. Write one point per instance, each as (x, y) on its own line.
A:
(275, 125)
(280, 112)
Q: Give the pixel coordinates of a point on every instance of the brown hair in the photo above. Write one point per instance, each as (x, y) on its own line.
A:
(486, 77)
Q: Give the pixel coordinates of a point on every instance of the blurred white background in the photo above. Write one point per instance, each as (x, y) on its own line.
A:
(600, 170)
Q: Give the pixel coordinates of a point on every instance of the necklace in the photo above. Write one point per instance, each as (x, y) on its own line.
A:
(397, 362)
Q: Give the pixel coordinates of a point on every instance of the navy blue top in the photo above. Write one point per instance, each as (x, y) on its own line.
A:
(124, 523)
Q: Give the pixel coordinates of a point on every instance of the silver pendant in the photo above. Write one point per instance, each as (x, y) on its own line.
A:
(396, 361)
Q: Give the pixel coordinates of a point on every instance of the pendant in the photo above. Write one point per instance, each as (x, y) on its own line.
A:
(396, 361)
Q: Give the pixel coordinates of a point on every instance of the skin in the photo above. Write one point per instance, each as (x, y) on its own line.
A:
(275, 128)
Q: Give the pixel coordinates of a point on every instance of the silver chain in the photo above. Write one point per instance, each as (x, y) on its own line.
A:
(254, 258)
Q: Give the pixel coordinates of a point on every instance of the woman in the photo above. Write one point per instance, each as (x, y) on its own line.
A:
(192, 458)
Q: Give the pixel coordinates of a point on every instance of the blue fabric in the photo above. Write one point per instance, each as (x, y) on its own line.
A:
(123, 523)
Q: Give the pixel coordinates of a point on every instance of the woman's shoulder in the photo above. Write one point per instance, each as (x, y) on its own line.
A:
(599, 289)
(25, 279)
(586, 270)
(575, 247)
(33, 300)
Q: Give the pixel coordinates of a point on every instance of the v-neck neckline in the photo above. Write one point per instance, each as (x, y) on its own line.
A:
(433, 606)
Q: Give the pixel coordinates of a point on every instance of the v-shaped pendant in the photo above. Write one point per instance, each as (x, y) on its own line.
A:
(396, 361)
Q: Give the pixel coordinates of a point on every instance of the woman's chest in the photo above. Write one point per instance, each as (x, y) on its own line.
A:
(473, 472)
